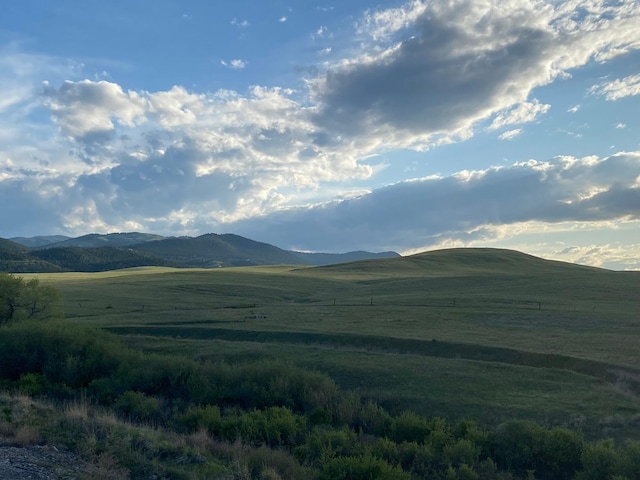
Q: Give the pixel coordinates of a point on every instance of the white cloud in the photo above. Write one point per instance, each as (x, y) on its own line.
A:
(432, 70)
(89, 108)
(211, 157)
(282, 19)
(522, 113)
(423, 74)
(574, 109)
(619, 88)
(236, 64)
(466, 207)
(620, 126)
(381, 24)
(240, 23)
(604, 255)
(510, 134)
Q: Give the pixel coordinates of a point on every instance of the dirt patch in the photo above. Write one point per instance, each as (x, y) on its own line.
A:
(39, 463)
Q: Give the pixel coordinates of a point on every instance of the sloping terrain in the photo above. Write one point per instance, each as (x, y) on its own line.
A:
(485, 333)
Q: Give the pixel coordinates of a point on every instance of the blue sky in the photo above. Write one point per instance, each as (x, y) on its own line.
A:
(393, 125)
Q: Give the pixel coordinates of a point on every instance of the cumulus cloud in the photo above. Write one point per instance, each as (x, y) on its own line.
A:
(619, 88)
(435, 69)
(466, 206)
(422, 74)
(86, 110)
(165, 158)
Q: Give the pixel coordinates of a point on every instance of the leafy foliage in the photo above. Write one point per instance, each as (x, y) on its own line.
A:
(22, 299)
(282, 421)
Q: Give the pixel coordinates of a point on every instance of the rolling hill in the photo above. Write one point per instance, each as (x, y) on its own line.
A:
(17, 258)
(488, 334)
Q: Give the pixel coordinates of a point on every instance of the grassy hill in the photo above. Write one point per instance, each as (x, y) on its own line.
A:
(484, 333)
(430, 366)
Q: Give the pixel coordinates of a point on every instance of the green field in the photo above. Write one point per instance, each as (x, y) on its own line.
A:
(485, 334)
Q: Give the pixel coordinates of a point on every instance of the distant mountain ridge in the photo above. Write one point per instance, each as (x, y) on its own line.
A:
(212, 250)
(39, 241)
(100, 240)
(97, 252)
(320, 259)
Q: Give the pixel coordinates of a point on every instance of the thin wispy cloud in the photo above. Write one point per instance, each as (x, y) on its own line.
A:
(522, 113)
(240, 23)
(510, 134)
(235, 64)
(619, 88)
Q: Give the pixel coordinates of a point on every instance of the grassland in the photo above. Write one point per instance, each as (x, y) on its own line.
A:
(486, 334)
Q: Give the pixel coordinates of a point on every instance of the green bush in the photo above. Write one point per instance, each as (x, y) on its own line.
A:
(22, 299)
(199, 417)
(324, 444)
(33, 384)
(410, 427)
(361, 468)
(599, 461)
(137, 406)
(521, 446)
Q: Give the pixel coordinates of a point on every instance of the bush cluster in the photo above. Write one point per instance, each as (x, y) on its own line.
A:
(293, 423)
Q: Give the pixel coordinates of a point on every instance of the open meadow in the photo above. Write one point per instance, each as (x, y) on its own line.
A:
(489, 335)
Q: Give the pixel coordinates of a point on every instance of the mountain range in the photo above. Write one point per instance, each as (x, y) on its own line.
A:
(98, 252)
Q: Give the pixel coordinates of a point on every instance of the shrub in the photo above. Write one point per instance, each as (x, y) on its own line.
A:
(137, 406)
(200, 417)
(361, 468)
(323, 444)
(409, 427)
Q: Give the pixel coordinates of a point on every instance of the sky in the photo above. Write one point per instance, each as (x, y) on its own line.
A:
(360, 125)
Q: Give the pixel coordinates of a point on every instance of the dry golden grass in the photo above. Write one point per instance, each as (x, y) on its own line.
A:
(26, 435)
(78, 409)
(105, 467)
(200, 440)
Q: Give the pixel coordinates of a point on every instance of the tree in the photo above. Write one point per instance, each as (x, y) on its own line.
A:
(22, 299)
